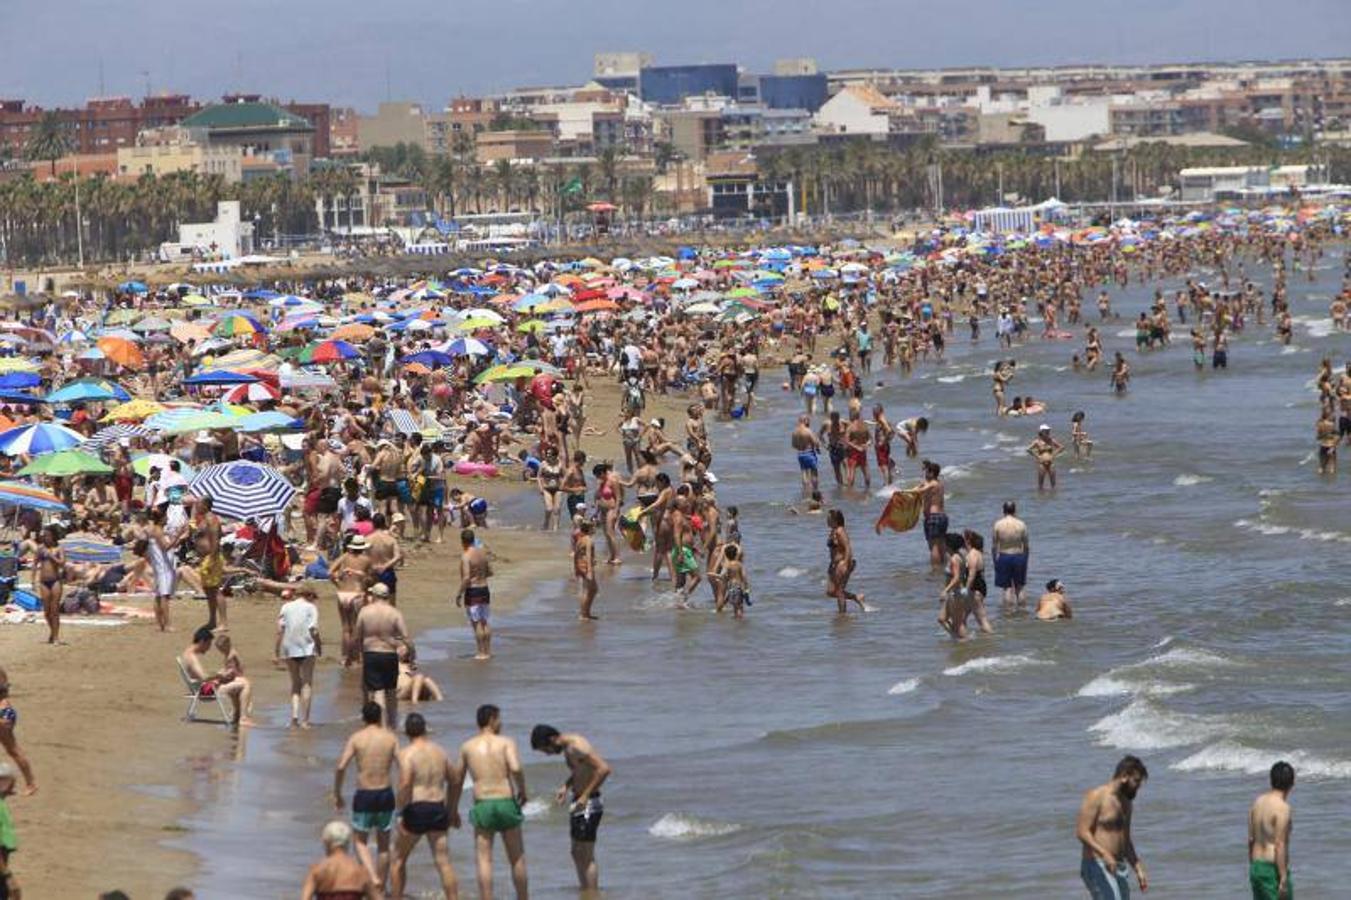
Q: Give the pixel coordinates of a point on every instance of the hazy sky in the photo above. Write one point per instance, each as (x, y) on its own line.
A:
(339, 51)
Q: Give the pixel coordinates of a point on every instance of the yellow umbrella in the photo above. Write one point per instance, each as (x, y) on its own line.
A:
(133, 411)
(558, 304)
(195, 300)
(534, 325)
(475, 324)
(17, 364)
(189, 331)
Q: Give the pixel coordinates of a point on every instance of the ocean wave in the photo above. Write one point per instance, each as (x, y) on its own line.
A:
(951, 379)
(887, 490)
(535, 809)
(677, 827)
(1111, 685)
(956, 473)
(1316, 327)
(1344, 601)
(1285, 351)
(791, 572)
(994, 664)
(1167, 639)
(1145, 725)
(1262, 527)
(1186, 656)
(1188, 480)
(1228, 756)
(903, 687)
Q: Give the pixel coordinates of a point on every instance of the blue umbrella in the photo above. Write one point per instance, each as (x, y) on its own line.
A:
(244, 490)
(268, 421)
(466, 347)
(260, 294)
(19, 380)
(20, 397)
(114, 433)
(133, 287)
(219, 376)
(39, 438)
(84, 391)
(433, 359)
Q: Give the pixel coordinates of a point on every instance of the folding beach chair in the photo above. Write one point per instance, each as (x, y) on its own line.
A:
(194, 696)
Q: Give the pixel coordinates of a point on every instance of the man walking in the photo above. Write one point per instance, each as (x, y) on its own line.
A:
(380, 631)
(429, 792)
(499, 794)
(1104, 830)
(473, 594)
(1269, 823)
(374, 748)
(587, 771)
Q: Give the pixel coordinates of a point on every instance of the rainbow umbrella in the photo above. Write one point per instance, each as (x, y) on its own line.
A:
(17, 493)
(327, 351)
(237, 324)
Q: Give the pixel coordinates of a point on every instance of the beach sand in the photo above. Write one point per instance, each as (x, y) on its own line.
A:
(101, 718)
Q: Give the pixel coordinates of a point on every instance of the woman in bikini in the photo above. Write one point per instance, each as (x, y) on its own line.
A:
(549, 478)
(50, 563)
(351, 575)
(842, 563)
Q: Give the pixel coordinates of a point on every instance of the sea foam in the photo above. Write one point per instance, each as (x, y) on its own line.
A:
(1145, 725)
(677, 827)
(994, 664)
(904, 687)
(1189, 480)
(1228, 756)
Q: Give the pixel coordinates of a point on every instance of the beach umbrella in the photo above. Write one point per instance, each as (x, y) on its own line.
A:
(512, 371)
(532, 326)
(219, 377)
(84, 391)
(122, 351)
(255, 392)
(432, 358)
(465, 346)
(26, 496)
(83, 549)
(475, 324)
(17, 364)
(151, 323)
(122, 316)
(353, 331)
(243, 490)
(192, 420)
(189, 331)
(271, 420)
(236, 324)
(133, 411)
(298, 322)
(596, 306)
(19, 380)
(133, 287)
(529, 302)
(114, 433)
(328, 351)
(307, 381)
(67, 462)
(74, 336)
(7, 396)
(40, 438)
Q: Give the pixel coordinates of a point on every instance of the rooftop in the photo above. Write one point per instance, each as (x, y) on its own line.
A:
(249, 115)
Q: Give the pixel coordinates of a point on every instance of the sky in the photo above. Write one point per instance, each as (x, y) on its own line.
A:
(359, 52)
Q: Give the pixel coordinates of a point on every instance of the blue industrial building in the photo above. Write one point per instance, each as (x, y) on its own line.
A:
(793, 91)
(669, 85)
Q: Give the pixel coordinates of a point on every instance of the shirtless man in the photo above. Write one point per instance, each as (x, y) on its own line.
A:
(374, 748)
(350, 574)
(1269, 823)
(1104, 829)
(808, 451)
(473, 595)
(931, 491)
(211, 569)
(325, 491)
(337, 874)
(1053, 604)
(857, 437)
(883, 432)
(380, 632)
(385, 556)
(389, 469)
(499, 795)
(429, 795)
(224, 683)
(1011, 549)
(587, 771)
(1044, 449)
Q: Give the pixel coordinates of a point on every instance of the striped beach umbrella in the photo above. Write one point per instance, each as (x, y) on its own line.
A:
(243, 490)
(114, 433)
(327, 351)
(40, 438)
(257, 392)
(84, 549)
(236, 324)
(24, 496)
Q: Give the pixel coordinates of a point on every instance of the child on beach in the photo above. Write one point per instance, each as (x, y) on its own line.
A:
(1079, 437)
(736, 586)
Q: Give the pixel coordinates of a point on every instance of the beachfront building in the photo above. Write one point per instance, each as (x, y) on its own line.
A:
(513, 145)
(393, 123)
(227, 237)
(670, 85)
(858, 109)
(163, 151)
(260, 130)
(737, 190)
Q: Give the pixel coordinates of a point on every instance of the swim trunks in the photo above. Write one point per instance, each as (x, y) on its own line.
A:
(935, 526)
(390, 579)
(404, 491)
(379, 670)
(1105, 885)
(496, 815)
(476, 600)
(425, 816)
(858, 457)
(212, 571)
(684, 560)
(1265, 880)
(574, 501)
(1010, 570)
(326, 504)
(385, 490)
(583, 823)
(373, 810)
(806, 460)
(883, 455)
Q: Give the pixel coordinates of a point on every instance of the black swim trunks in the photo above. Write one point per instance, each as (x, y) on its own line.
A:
(473, 596)
(425, 816)
(371, 801)
(935, 526)
(379, 671)
(585, 822)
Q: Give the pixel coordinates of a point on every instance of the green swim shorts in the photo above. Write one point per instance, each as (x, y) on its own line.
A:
(1265, 879)
(496, 815)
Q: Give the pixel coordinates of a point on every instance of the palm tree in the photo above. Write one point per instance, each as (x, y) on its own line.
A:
(48, 140)
(608, 164)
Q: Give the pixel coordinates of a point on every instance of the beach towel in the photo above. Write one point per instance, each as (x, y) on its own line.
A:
(901, 512)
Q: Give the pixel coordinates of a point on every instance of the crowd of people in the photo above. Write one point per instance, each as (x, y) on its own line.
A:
(380, 405)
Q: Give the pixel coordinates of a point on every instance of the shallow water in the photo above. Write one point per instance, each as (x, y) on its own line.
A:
(798, 754)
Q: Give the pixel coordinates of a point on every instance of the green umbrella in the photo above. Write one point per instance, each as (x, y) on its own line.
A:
(67, 462)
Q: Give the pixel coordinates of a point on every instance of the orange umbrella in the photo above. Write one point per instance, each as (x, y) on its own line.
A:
(417, 369)
(592, 306)
(122, 351)
(353, 331)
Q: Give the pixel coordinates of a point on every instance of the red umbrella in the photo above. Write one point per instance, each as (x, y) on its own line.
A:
(255, 392)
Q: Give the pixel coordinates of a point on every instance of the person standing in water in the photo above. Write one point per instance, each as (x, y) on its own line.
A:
(429, 793)
(842, 564)
(1269, 824)
(1044, 449)
(475, 570)
(1104, 829)
(808, 451)
(931, 492)
(499, 794)
(374, 749)
(587, 771)
(1012, 549)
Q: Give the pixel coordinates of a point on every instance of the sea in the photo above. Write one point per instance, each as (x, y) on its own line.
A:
(798, 753)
